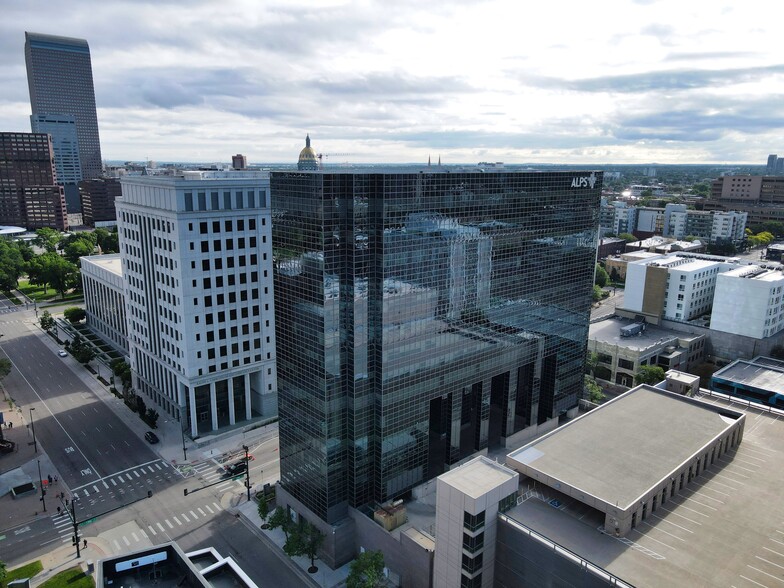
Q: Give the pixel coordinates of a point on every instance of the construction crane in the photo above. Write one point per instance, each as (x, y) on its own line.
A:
(322, 155)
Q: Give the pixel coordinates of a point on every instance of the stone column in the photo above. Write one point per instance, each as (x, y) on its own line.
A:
(213, 406)
(194, 419)
(246, 378)
(232, 419)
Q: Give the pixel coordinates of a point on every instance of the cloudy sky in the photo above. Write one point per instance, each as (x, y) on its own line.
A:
(681, 81)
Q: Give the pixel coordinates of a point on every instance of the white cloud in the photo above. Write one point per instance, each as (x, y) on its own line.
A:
(620, 81)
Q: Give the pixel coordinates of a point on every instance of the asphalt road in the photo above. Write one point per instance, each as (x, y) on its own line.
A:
(85, 440)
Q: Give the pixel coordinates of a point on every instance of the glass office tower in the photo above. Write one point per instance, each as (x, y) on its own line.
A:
(422, 317)
(60, 80)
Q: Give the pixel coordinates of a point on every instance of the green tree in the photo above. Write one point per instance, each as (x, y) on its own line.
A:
(47, 321)
(304, 539)
(123, 371)
(50, 269)
(597, 293)
(591, 363)
(649, 374)
(601, 277)
(628, 237)
(78, 248)
(108, 241)
(279, 519)
(263, 508)
(74, 314)
(12, 265)
(3, 573)
(47, 239)
(82, 351)
(594, 390)
(151, 416)
(366, 571)
(5, 367)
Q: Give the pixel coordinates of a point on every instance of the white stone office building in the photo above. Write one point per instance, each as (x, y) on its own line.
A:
(748, 302)
(104, 298)
(197, 263)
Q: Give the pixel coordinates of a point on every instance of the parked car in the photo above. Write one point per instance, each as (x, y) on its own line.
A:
(151, 437)
(62, 353)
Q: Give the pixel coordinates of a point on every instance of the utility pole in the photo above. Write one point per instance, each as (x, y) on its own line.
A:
(76, 540)
(32, 426)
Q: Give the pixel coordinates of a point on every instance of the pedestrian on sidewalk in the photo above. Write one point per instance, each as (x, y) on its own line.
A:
(85, 544)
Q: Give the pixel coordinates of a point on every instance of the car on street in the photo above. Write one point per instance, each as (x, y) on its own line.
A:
(236, 468)
(62, 353)
(151, 437)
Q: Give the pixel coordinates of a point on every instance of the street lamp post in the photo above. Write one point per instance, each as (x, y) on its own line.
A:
(32, 427)
(182, 432)
(247, 471)
(41, 483)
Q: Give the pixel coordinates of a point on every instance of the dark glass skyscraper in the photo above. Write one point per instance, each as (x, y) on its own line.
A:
(422, 317)
(60, 79)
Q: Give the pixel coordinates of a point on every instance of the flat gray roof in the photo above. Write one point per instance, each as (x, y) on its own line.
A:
(609, 331)
(724, 529)
(478, 476)
(620, 450)
(762, 373)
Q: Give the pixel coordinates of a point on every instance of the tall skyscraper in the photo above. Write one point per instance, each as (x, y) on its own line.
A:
(29, 194)
(98, 201)
(197, 259)
(60, 79)
(62, 128)
(421, 318)
(770, 169)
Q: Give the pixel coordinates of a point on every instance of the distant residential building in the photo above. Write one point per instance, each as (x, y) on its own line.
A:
(749, 302)
(637, 190)
(620, 356)
(616, 264)
(98, 201)
(239, 162)
(60, 80)
(29, 194)
(650, 221)
(762, 197)
(197, 268)
(104, 297)
(712, 226)
(617, 217)
(677, 287)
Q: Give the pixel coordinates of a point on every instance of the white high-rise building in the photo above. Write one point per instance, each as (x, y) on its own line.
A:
(197, 266)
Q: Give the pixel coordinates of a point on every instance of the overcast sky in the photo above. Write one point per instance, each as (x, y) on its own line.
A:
(682, 81)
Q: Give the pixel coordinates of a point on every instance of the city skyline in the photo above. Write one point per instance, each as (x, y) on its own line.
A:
(491, 81)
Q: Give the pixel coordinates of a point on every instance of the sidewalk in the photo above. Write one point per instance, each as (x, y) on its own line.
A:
(325, 577)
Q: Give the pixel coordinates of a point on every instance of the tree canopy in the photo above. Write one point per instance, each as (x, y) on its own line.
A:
(628, 237)
(649, 374)
(50, 269)
(74, 314)
(366, 571)
(47, 321)
(601, 277)
(47, 239)
(82, 351)
(12, 264)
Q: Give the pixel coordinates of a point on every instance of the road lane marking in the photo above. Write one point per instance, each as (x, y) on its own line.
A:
(119, 477)
(217, 506)
(168, 523)
(187, 520)
(160, 526)
(95, 488)
(769, 562)
(202, 512)
(127, 543)
(151, 530)
(752, 581)
(113, 482)
(194, 515)
(776, 552)
(176, 520)
(137, 474)
(116, 545)
(143, 532)
(135, 538)
(106, 486)
(766, 573)
(157, 465)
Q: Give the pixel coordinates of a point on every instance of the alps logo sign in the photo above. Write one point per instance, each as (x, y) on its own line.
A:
(584, 181)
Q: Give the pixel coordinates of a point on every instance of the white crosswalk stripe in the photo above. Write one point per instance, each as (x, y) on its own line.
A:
(207, 506)
(185, 518)
(168, 523)
(151, 530)
(160, 526)
(135, 538)
(176, 520)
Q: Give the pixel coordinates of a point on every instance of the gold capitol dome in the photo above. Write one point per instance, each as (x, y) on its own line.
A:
(308, 160)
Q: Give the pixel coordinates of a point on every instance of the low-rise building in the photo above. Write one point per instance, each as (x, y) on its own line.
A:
(622, 351)
(759, 380)
(748, 301)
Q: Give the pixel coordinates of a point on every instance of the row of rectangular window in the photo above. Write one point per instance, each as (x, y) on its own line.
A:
(241, 201)
(228, 225)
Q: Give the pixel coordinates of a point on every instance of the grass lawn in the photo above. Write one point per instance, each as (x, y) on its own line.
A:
(70, 578)
(51, 295)
(27, 571)
(12, 298)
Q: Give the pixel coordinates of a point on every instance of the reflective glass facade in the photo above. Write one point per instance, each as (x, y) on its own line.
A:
(421, 317)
